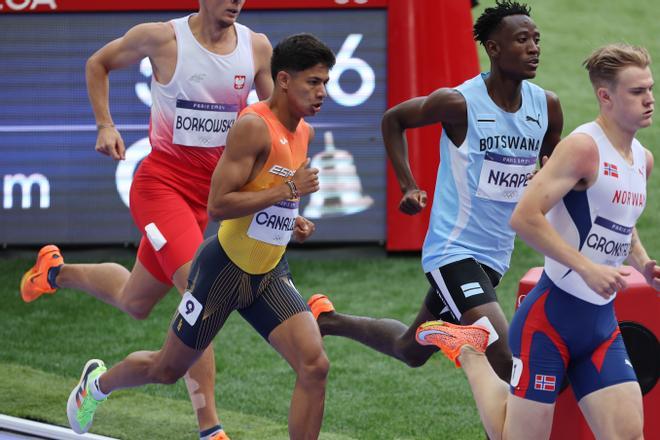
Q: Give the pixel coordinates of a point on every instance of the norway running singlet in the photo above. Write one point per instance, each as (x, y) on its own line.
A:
(255, 243)
(202, 100)
(480, 181)
(599, 221)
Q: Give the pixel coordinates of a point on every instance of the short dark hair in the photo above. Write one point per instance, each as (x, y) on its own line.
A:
(300, 52)
(492, 17)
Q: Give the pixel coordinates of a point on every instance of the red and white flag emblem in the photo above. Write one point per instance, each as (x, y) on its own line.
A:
(610, 169)
(239, 82)
(545, 382)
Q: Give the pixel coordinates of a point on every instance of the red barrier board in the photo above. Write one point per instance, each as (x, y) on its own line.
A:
(430, 46)
(8, 6)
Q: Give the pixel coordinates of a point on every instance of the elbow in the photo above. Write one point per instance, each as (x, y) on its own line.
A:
(91, 63)
(216, 213)
(390, 121)
(516, 221)
(93, 66)
(525, 223)
(215, 205)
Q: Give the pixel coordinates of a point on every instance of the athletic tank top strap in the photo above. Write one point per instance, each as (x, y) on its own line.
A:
(256, 242)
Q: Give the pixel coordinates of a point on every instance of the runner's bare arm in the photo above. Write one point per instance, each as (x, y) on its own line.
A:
(247, 147)
(444, 105)
(148, 39)
(574, 161)
(263, 81)
(140, 41)
(555, 126)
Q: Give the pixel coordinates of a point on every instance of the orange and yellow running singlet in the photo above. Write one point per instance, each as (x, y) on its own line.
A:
(256, 242)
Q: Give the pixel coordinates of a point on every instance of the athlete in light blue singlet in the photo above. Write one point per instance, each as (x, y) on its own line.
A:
(495, 128)
(480, 180)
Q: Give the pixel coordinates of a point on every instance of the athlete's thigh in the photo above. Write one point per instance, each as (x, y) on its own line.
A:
(430, 309)
(467, 290)
(142, 287)
(282, 317)
(275, 301)
(604, 361)
(181, 277)
(170, 224)
(147, 257)
(298, 340)
(527, 419)
(214, 287)
(614, 412)
(604, 381)
(498, 352)
(540, 352)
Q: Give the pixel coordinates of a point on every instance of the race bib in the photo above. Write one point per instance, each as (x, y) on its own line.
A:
(516, 371)
(503, 178)
(190, 308)
(608, 242)
(202, 124)
(274, 225)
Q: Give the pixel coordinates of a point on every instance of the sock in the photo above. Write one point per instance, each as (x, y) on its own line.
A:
(208, 433)
(96, 392)
(53, 272)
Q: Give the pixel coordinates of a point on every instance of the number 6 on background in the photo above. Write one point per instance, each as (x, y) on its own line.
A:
(345, 61)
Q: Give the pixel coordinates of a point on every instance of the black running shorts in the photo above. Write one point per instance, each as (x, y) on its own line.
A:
(217, 287)
(460, 286)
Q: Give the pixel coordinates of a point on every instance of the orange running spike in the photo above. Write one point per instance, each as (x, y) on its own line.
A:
(35, 281)
(450, 337)
(320, 303)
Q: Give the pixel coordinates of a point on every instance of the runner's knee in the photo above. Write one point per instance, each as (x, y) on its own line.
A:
(630, 429)
(314, 369)
(411, 353)
(137, 308)
(166, 374)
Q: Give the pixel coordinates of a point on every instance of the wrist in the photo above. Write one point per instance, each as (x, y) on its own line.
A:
(295, 194)
(105, 125)
(583, 268)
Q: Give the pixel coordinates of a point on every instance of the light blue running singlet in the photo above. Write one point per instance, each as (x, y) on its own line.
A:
(480, 181)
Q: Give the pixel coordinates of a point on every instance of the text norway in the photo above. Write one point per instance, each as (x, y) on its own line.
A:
(275, 221)
(204, 124)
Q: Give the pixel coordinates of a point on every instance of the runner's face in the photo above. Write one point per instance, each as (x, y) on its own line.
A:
(517, 48)
(224, 11)
(631, 99)
(307, 90)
